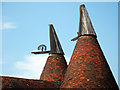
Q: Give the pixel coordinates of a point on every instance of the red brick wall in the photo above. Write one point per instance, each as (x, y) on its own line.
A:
(88, 67)
(54, 69)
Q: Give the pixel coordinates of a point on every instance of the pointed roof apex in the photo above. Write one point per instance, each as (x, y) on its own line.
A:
(82, 5)
(54, 42)
(55, 46)
(85, 25)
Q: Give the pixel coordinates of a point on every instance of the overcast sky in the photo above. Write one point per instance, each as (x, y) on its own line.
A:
(25, 27)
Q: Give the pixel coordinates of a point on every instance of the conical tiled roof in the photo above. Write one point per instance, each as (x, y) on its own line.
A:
(54, 69)
(56, 65)
(88, 67)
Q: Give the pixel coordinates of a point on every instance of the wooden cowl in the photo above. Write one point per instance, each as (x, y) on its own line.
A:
(88, 67)
(54, 69)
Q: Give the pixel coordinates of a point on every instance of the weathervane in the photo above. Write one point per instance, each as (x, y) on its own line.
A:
(54, 44)
(41, 49)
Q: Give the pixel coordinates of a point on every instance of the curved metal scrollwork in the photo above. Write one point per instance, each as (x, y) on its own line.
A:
(42, 47)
